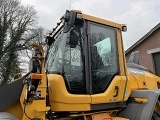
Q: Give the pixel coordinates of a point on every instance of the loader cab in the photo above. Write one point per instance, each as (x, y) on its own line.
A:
(85, 53)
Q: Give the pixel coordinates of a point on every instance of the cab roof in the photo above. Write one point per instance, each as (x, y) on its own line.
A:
(99, 20)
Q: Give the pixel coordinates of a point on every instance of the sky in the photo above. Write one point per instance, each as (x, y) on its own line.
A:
(140, 16)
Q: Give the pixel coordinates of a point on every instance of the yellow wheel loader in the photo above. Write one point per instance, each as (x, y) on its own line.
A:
(83, 75)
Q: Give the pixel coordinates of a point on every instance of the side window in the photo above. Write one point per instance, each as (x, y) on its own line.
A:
(73, 69)
(53, 51)
(104, 51)
(104, 64)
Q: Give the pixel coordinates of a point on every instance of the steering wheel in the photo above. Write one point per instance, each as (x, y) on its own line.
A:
(62, 61)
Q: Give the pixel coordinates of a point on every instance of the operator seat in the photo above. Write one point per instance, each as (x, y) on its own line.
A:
(99, 78)
(96, 59)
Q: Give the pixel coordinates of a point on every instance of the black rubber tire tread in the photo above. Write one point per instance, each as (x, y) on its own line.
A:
(156, 116)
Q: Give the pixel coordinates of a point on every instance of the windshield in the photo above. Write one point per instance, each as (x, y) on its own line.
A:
(56, 52)
(66, 58)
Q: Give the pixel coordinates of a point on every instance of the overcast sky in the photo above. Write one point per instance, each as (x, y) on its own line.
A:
(139, 15)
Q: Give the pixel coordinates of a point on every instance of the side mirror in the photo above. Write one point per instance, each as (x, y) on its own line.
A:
(73, 41)
(34, 66)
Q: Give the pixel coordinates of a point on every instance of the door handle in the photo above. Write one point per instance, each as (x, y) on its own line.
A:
(117, 90)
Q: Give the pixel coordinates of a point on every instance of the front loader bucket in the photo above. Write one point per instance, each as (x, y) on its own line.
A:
(10, 94)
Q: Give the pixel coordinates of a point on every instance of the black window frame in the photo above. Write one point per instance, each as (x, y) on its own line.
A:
(89, 42)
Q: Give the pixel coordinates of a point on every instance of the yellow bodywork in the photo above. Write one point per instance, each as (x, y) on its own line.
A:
(38, 107)
(144, 81)
(60, 98)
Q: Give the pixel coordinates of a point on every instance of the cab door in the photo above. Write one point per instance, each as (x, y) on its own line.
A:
(106, 81)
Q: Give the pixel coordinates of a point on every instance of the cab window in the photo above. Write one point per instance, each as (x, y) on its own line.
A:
(104, 64)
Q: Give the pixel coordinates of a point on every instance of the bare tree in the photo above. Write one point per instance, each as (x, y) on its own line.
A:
(17, 30)
(40, 34)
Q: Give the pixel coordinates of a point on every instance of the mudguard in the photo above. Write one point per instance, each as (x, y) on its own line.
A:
(144, 110)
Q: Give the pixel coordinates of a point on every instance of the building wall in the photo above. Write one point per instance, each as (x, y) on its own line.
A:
(151, 42)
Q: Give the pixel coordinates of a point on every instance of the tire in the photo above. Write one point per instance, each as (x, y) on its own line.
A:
(156, 116)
